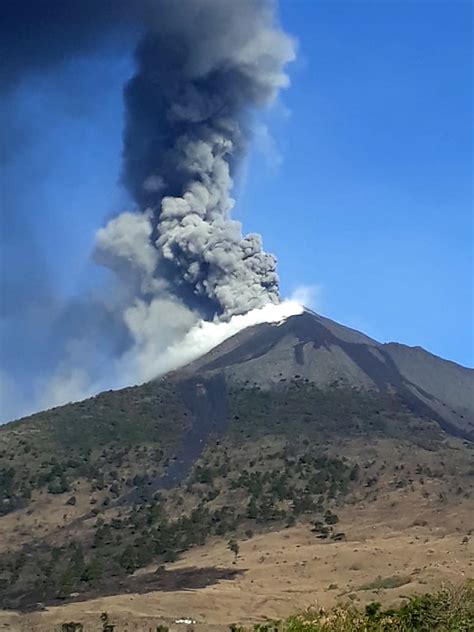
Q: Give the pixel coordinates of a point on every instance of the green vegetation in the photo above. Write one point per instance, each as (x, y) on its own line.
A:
(10, 494)
(276, 487)
(233, 546)
(382, 583)
(446, 611)
(105, 440)
(300, 407)
(100, 461)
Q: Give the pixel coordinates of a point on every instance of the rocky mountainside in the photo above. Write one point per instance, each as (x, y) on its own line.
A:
(281, 424)
(317, 349)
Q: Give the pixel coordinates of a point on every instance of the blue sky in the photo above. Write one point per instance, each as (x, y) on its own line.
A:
(373, 199)
(364, 189)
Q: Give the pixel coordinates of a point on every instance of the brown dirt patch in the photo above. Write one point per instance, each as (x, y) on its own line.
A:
(289, 569)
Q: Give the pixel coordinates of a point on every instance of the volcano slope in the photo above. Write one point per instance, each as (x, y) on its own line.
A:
(299, 435)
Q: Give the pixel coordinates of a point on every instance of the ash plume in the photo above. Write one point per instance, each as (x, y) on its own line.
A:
(203, 66)
(202, 70)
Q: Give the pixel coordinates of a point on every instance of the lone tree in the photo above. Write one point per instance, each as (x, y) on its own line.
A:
(233, 546)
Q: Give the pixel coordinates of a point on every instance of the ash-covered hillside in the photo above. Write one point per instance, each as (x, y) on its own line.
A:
(325, 353)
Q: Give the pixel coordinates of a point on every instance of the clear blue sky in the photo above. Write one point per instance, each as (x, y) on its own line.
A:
(366, 193)
(373, 199)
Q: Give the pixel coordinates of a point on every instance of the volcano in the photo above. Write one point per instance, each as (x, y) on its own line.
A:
(315, 349)
(282, 424)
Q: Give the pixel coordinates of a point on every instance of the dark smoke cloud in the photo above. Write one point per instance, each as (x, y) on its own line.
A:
(202, 68)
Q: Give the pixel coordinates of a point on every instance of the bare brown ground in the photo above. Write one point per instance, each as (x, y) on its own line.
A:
(401, 535)
(48, 516)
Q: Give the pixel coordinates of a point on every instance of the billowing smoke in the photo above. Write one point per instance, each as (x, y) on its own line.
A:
(203, 66)
(187, 275)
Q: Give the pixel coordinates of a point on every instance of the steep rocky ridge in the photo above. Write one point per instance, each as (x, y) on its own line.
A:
(314, 348)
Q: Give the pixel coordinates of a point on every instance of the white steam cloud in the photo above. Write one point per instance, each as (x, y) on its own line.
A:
(149, 359)
(166, 336)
